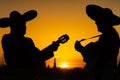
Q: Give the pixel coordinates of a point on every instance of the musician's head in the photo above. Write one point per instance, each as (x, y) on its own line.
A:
(103, 17)
(17, 22)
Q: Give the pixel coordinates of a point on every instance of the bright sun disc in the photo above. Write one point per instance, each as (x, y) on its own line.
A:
(64, 65)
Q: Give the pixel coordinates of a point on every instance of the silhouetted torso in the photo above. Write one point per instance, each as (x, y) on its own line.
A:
(21, 54)
(104, 51)
(19, 51)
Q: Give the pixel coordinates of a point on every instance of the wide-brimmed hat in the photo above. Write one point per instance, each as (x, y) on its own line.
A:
(15, 16)
(98, 13)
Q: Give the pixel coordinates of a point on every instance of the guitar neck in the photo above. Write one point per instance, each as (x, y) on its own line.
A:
(55, 44)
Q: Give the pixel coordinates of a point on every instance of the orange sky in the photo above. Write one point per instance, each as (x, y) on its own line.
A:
(55, 18)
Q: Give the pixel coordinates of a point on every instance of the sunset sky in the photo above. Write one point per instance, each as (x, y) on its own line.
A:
(55, 18)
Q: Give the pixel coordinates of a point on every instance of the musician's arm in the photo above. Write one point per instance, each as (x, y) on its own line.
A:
(42, 55)
(48, 52)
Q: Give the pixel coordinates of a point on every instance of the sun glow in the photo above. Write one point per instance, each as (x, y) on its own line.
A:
(64, 65)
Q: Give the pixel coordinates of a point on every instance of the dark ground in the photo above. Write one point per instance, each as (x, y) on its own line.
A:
(55, 74)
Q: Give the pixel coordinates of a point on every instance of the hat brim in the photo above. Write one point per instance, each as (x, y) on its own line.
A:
(98, 13)
(4, 22)
(29, 15)
(93, 11)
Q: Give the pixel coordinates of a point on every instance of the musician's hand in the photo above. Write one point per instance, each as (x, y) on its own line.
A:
(78, 46)
(55, 46)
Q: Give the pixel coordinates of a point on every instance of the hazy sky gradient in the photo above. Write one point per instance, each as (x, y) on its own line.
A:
(55, 18)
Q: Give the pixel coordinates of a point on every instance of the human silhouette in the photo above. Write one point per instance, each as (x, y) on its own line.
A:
(23, 58)
(101, 56)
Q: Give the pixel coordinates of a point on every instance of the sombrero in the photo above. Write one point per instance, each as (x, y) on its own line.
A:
(15, 16)
(98, 13)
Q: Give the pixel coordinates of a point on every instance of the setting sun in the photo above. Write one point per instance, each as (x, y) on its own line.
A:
(64, 65)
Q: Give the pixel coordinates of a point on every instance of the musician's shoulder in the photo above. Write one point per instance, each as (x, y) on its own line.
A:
(6, 37)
